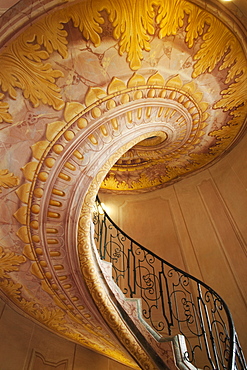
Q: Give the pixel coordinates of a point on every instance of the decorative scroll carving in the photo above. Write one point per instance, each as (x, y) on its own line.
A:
(9, 262)
(7, 180)
(27, 63)
(23, 61)
(5, 116)
(172, 300)
(71, 318)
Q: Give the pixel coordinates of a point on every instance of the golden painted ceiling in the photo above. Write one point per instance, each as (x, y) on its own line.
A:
(128, 96)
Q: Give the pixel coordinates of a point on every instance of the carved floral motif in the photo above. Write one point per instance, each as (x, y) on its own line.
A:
(24, 66)
(8, 180)
(9, 262)
(27, 63)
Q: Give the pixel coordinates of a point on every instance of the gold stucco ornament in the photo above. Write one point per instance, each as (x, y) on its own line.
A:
(9, 261)
(170, 112)
(7, 179)
(25, 66)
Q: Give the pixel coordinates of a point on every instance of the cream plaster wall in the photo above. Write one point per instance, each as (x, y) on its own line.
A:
(200, 225)
(25, 345)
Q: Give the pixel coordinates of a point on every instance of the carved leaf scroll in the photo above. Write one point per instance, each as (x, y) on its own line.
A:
(5, 116)
(24, 66)
(9, 262)
(10, 288)
(52, 318)
(8, 180)
(50, 33)
(133, 24)
(170, 16)
(217, 38)
(87, 18)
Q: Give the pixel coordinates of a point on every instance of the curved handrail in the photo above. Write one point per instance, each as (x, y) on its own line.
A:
(173, 301)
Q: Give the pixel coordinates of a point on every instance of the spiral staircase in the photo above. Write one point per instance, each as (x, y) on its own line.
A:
(180, 321)
(129, 97)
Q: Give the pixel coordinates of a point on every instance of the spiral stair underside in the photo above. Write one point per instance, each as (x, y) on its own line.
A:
(82, 108)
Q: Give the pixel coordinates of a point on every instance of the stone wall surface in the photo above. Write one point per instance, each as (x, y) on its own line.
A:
(24, 345)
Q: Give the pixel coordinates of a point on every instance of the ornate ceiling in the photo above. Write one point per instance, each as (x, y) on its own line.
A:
(129, 96)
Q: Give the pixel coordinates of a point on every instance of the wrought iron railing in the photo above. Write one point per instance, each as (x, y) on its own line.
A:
(173, 302)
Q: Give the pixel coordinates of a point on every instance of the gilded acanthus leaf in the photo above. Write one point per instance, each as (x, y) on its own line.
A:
(235, 95)
(175, 172)
(10, 288)
(133, 26)
(7, 179)
(52, 318)
(234, 61)
(217, 38)
(226, 133)
(9, 262)
(196, 22)
(50, 33)
(22, 67)
(5, 116)
(87, 18)
(170, 16)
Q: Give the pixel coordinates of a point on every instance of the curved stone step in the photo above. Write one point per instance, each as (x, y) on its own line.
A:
(170, 350)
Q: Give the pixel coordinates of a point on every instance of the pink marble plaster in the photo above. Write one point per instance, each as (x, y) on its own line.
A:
(86, 66)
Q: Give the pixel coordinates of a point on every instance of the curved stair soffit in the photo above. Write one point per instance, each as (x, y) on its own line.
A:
(80, 133)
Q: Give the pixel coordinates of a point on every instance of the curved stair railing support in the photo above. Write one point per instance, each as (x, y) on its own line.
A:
(173, 301)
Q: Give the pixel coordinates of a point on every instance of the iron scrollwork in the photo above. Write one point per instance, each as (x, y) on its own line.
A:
(173, 302)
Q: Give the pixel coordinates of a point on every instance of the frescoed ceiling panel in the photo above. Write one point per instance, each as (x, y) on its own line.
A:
(156, 91)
